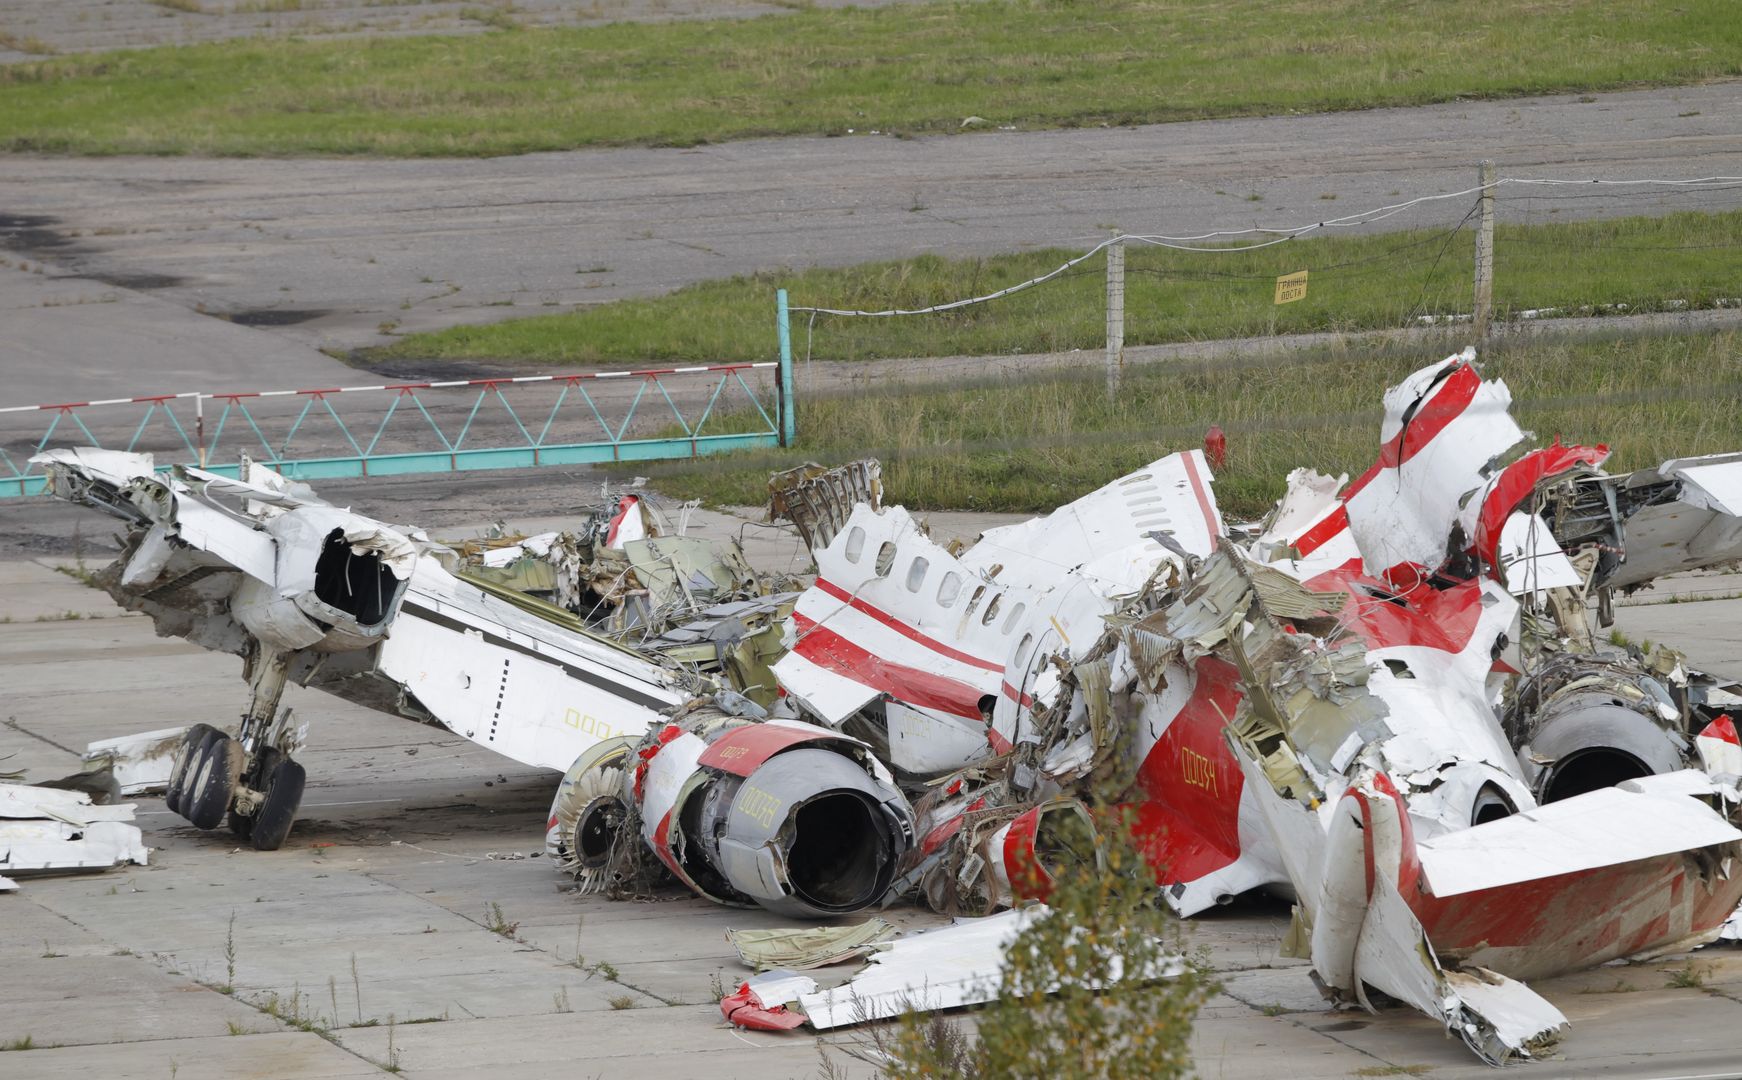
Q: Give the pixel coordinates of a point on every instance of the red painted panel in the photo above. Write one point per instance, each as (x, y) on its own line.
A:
(922, 689)
(741, 750)
(1517, 481)
(1187, 794)
(1028, 878)
(1445, 403)
(904, 629)
(1575, 920)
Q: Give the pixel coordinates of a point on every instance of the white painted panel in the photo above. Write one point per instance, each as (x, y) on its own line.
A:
(1645, 819)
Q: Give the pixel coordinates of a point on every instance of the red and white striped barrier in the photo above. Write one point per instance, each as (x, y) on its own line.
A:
(591, 376)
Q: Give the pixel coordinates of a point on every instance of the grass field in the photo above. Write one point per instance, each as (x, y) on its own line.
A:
(1032, 444)
(1356, 283)
(900, 69)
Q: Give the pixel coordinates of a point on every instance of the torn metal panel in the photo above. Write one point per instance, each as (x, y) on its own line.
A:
(1529, 558)
(949, 967)
(1635, 820)
(819, 500)
(140, 763)
(1308, 533)
(812, 947)
(761, 1002)
(1501, 1019)
(1732, 928)
(946, 968)
(1719, 748)
(48, 830)
(1108, 539)
(1443, 427)
(24, 801)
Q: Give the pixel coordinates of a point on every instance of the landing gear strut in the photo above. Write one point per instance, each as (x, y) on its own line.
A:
(251, 777)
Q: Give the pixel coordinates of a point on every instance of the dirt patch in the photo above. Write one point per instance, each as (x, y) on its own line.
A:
(139, 282)
(31, 233)
(276, 316)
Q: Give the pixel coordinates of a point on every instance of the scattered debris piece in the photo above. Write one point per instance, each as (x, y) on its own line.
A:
(818, 500)
(50, 831)
(761, 1003)
(944, 968)
(811, 947)
(139, 764)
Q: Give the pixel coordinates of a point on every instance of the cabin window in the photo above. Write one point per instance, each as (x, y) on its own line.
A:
(974, 600)
(1013, 618)
(991, 612)
(885, 558)
(855, 544)
(916, 574)
(1022, 648)
(949, 588)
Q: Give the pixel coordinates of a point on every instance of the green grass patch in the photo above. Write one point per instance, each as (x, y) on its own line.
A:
(903, 68)
(1031, 444)
(1356, 283)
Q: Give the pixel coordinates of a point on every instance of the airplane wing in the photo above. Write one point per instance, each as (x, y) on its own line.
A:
(317, 595)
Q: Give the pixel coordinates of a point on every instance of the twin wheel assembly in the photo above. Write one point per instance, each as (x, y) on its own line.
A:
(214, 774)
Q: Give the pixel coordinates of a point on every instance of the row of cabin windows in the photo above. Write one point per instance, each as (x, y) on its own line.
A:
(949, 587)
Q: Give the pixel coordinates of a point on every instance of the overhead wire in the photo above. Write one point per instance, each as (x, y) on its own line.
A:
(1204, 242)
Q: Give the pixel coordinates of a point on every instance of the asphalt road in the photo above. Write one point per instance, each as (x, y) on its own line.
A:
(37, 29)
(328, 252)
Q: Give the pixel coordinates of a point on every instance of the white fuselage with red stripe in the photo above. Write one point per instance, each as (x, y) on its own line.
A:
(946, 642)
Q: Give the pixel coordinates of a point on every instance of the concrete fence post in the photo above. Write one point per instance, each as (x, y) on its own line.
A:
(1483, 311)
(1115, 317)
(788, 415)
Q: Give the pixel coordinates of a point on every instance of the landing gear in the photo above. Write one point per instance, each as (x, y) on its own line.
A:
(250, 777)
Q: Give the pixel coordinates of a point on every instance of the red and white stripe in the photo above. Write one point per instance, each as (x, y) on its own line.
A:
(844, 638)
(443, 384)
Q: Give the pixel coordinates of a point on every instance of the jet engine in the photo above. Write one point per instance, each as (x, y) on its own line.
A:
(796, 818)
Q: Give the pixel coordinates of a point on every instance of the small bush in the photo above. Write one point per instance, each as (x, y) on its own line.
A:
(1069, 1005)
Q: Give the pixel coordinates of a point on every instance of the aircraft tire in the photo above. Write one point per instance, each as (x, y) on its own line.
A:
(277, 811)
(193, 744)
(208, 792)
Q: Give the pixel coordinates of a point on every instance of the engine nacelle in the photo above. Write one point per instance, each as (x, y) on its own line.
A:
(1593, 722)
(789, 816)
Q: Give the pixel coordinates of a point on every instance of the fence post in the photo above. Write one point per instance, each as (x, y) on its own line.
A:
(1484, 293)
(788, 416)
(1115, 317)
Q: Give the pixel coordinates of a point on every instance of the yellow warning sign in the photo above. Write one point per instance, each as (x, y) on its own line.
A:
(1291, 287)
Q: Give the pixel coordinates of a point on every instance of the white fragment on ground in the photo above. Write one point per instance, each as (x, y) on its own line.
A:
(47, 831)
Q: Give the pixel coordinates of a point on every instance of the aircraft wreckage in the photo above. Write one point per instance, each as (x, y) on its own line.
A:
(1385, 701)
